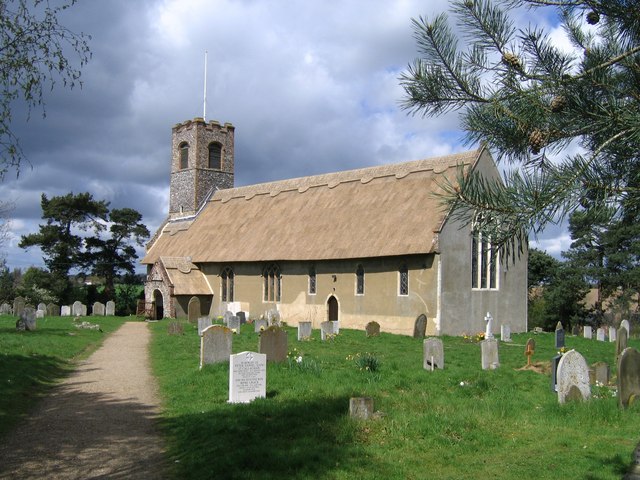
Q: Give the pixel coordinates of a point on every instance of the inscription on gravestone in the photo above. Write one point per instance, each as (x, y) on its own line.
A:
(247, 377)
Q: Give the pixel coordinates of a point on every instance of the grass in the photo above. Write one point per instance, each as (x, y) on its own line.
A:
(32, 362)
(460, 422)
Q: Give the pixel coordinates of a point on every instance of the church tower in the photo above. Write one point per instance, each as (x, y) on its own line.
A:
(201, 162)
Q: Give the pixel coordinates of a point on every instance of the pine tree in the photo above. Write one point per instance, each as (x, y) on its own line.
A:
(529, 100)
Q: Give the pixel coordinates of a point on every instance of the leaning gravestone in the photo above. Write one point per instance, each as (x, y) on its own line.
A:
(274, 344)
(372, 329)
(65, 311)
(53, 310)
(625, 324)
(247, 377)
(588, 332)
(505, 333)
(18, 306)
(573, 378)
(628, 377)
(215, 345)
(203, 322)
(621, 341)
(600, 334)
(193, 309)
(110, 309)
(304, 331)
(5, 309)
(489, 352)
(97, 309)
(559, 336)
(433, 354)
(27, 320)
(420, 327)
(234, 324)
(612, 334)
(226, 317)
(76, 309)
(260, 325)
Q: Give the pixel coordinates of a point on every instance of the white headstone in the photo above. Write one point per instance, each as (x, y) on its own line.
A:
(76, 308)
(488, 331)
(433, 353)
(110, 309)
(40, 313)
(247, 377)
(625, 324)
(600, 334)
(612, 334)
(489, 352)
(226, 317)
(65, 311)
(573, 377)
(505, 333)
(203, 322)
(42, 306)
(587, 332)
(304, 330)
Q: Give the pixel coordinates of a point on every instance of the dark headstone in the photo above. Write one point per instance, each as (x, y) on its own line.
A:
(559, 336)
(621, 341)
(215, 345)
(53, 310)
(193, 309)
(242, 316)
(628, 377)
(555, 361)
(175, 328)
(372, 329)
(420, 327)
(361, 407)
(273, 343)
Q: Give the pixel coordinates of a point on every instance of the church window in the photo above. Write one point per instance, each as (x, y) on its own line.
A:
(184, 155)
(215, 155)
(360, 280)
(403, 279)
(485, 262)
(227, 284)
(272, 283)
(312, 281)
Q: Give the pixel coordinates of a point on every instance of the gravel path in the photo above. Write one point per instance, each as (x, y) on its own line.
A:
(99, 423)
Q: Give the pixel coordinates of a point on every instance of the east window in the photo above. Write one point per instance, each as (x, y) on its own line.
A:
(485, 262)
(272, 283)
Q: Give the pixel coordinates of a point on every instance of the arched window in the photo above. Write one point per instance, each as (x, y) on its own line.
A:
(272, 283)
(184, 155)
(215, 155)
(403, 280)
(226, 294)
(312, 281)
(485, 262)
(360, 280)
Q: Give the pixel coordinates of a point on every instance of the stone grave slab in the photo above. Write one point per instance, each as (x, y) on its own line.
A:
(234, 324)
(226, 317)
(42, 306)
(27, 320)
(98, 309)
(242, 316)
(622, 341)
(193, 309)
(613, 334)
(326, 330)
(260, 325)
(53, 310)
(420, 327)
(77, 310)
(110, 308)
(600, 336)
(587, 332)
(489, 353)
(274, 344)
(573, 378)
(361, 407)
(628, 377)
(215, 345)
(559, 336)
(601, 373)
(5, 309)
(433, 354)
(18, 306)
(625, 323)
(555, 361)
(247, 377)
(273, 317)
(372, 329)
(65, 311)
(304, 330)
(203, 322)
(505, 333)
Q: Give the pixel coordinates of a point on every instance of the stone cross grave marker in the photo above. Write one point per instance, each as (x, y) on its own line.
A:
(505, 333)
(530, 349)
(110, 309)
(193, 309)
(420, 327)
(260, 325)
(588, 332)
(234, 324)
(203, 322)
(488, 331)
(613, 334)
(489, 352)
(304, 330)
(625, 324)
(600, 334)
(372, 329)
(621, 341)
(65, 311)
(433, 354)
(247, 377)
(18, 306)
(76, 309)
(274, 344)
(98, 309)
(559, 336)
(27, 320)
(628, 377)
(226, 317)
(215, 345)
(573, 378)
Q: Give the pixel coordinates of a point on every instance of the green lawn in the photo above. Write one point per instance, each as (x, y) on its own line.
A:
(460, 422)
(31, 362)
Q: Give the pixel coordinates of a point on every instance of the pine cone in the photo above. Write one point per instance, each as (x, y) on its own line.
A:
(537, 140)
(468, 3)
(558, 103)
(511, 60)
(593, 17)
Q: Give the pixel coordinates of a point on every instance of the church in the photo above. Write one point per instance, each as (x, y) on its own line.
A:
(355, 246)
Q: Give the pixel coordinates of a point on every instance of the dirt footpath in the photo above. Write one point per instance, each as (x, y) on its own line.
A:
(99, 423)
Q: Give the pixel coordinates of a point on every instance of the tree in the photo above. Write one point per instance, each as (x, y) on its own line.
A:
(116, 254)
(543, 268)
(528, 100)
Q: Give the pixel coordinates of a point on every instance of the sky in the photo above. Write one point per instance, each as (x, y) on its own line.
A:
(311, 87)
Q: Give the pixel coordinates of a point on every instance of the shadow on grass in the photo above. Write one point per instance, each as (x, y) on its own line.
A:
(266, 439)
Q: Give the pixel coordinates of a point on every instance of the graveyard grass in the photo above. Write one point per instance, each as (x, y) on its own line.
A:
(460, 422)
(32, 362)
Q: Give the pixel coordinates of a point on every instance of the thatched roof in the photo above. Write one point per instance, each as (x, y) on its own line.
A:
(185, 277)
(370, 212)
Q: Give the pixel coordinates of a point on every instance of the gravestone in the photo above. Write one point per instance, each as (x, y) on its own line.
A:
(575, 331)
(53, 310)
(336, 326)
(215, 345)
(5, 309)
(18, 306)
(555, 361)
(175, 328)
(505, 333)
(42, 306)
(420, 327)
(433, 354)
(226, 317)
(621, 341)
(203, 322)
(361, 407)
(77, 310)
(601, 373)
(274, 344)
(600, 334)
(573, 378)
(98, 309)
(304, 330)
(247, 377)
(587, 333)
(625, 324)
(559, 336)
(489, 352)
(40, 313)
(488, 330)
(273, 317)
(27, 320)
(260, 325)
(234, 324)
(612, 334)
(65, 311)
(83, 309)
(372, 329)
(326, 330)
(628, 377)
(530, 349)
(110, 308)
(193, 309)
(242, 316)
